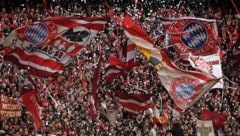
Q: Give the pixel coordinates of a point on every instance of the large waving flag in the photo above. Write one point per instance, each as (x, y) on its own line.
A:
(45, 48)
(135, 103)
(192, 35)
(184, 87)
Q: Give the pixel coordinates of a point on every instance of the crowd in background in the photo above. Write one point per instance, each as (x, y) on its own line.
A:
(66, 100)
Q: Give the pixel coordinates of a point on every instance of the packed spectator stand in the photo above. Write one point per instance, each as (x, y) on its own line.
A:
(66, 99)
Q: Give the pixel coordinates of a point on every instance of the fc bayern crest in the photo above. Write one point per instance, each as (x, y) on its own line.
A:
(185, 89)
(196, 36)
(38, 33)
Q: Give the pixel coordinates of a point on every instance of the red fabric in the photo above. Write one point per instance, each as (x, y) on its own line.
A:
(216, 118)
(30, 101)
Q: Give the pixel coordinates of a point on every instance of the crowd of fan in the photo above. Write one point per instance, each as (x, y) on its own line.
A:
(66, 99)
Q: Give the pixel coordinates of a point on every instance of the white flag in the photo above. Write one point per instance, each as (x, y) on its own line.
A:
(210, 64)
(204, 128)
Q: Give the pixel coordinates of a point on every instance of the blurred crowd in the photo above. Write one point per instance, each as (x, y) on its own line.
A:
(66, 100)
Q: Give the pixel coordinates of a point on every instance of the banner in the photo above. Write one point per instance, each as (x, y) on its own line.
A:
(204, 128)
(184, 87)
(192, 35)
(135, 103)
(9, 108)
(44, 48)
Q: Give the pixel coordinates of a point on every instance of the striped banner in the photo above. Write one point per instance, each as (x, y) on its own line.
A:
(135, 103)
(45, 48)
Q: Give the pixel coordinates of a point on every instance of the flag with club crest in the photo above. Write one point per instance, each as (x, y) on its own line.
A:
(44, 48)
(192, 35)
(184, 87)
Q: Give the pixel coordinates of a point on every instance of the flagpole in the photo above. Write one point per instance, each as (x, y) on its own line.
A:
(56, 103)
(135, 7)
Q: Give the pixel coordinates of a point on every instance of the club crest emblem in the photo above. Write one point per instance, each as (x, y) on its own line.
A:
(185, 89)
(196, 36)
(38, 33)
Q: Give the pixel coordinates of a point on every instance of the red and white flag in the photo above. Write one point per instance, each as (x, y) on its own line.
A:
(135, 103)
(29, 99)
(128, 51)
(184, 87)
(216, 118)
(116, 67)
(45, 48)
(192, 35)
(9, 108)
(210, 64)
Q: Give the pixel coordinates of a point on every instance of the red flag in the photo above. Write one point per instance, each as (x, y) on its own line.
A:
(192, 35)
(184, 87)
(135, 103)
(45, 48)
(29, 99)
(95, 81)
(216, 118)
